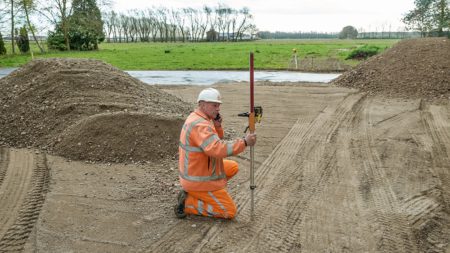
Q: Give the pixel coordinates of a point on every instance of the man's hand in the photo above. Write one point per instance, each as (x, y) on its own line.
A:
(250, 139)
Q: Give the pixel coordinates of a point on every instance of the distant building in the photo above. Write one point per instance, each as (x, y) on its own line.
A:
(234, 36)
(212, 35)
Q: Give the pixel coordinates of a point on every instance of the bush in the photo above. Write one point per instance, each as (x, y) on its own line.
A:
(363, 52)
(80, 39)
(2, 45)
(83, 40)
(22, 40)
(55, 40)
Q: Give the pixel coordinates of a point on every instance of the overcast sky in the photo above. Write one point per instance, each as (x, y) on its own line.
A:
(301, 15)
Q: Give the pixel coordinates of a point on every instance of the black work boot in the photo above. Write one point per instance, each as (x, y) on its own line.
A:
(179, 207)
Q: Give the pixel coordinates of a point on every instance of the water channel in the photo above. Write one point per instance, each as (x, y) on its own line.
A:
(191, 77)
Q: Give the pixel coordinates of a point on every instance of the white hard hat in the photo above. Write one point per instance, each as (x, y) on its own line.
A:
(210, 95)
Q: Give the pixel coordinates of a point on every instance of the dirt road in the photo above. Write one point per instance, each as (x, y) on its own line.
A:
(337, 171)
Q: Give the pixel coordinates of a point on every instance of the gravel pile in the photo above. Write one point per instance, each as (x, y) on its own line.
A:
(87, 109)
(414, 68)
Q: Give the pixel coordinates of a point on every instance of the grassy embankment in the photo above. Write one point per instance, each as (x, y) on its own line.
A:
(269, 54)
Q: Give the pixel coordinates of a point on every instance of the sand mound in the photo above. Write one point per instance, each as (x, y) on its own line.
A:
(44, 98)
(416, 68)
(134, 137)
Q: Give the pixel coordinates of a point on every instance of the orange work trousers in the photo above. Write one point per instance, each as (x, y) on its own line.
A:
(218, 203)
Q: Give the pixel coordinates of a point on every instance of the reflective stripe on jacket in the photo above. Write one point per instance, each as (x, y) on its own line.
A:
(201, 153)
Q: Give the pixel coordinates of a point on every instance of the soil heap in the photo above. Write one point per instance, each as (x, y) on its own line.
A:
(416, 68)
(89, 110)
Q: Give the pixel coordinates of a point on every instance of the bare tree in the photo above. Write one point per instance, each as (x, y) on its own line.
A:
(28, 6)
(108, 24)
(58, 12)
(138, 25)
(162, 24)
(174, 16)
(210, 21)
(112, 25)
(3, 14)
(143, 26)
(125, 24)
(245, 16)
(146, 27)
(133, 29)
(13, 29)
(252, 29)
(201, 24)
(190, 15)
(223, 13)
(164, 15)
(117, 29)
(180, 21)
(153, 24)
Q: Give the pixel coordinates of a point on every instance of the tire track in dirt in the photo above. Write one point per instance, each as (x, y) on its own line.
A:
(14, 187)
(318, 159)
(431, 220)
(22, 196)
(377, 189)
(279, 183)
(4, 159)
(423, 208)
(331, 221)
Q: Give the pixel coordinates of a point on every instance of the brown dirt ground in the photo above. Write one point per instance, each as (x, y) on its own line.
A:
(337, 170)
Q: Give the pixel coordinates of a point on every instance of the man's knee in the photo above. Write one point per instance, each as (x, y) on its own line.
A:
(232, 212)
(229, 211)
(231, 168)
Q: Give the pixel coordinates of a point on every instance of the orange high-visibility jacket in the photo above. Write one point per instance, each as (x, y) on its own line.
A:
(201, 153)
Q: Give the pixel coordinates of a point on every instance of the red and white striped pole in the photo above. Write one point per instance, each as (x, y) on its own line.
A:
(251, 125)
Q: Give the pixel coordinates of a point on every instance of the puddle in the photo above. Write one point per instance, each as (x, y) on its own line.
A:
(191, 77)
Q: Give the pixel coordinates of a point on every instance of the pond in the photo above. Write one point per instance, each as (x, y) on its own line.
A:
(206, 77)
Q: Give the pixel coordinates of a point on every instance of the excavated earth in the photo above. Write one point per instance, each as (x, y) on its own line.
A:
(360, 168)
(88, 110)
(411, 69)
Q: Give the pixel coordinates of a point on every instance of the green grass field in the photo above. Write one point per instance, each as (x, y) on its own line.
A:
(269, 54)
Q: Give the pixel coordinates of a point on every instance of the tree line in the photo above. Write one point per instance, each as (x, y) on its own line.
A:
(219, 23)
(83, 24)
(344, 34)
(296, 35)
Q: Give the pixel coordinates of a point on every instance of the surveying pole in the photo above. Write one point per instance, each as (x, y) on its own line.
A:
(251, 126)
(254, 116)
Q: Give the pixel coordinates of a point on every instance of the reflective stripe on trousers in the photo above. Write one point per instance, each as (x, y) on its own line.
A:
(218, 203)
